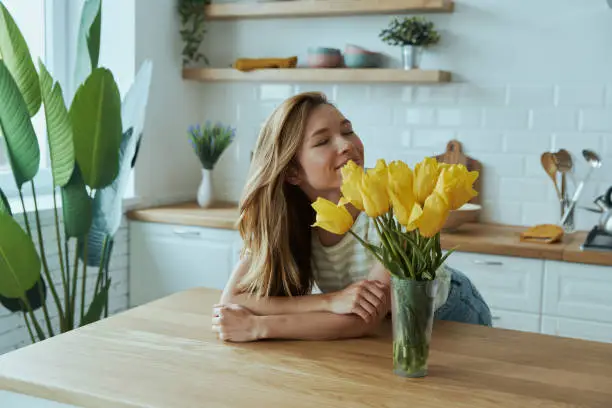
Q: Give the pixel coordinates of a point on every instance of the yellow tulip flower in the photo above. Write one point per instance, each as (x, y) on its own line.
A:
(435, 213)
(401, 194)
(331, 217)
(455, 184)
(425, 178)
(351, 179)
(380, 171)
(373, 190)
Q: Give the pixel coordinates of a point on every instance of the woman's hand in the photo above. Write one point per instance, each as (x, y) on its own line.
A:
(235, 323)
(366, 298)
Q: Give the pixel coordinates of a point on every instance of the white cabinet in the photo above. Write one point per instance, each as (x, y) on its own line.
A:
(506, 282)
(553, 297)
(167, 258)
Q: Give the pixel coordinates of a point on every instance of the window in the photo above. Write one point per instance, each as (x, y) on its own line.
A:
(43, 25)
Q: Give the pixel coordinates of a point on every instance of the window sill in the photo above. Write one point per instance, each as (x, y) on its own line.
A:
(45, 203)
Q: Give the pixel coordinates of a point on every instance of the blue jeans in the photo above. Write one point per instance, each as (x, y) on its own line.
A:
(464, 304)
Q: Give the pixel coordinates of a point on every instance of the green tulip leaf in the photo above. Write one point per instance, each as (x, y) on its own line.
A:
(76, 206)
(16, 126)
(4, 204)
(88, 40)
(59, 128)
(16, 55)
(19, 261)
(95, 114)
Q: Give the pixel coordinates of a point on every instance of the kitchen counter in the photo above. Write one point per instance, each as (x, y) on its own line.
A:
(494, 239)
(164, 354)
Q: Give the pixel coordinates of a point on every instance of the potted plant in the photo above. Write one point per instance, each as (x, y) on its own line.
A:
(408, 208)
(208, 143)
(191, 13)
(413, 35)
(93, 145)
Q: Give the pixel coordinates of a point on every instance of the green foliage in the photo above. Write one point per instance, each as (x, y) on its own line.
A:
(209, 143)
(89, 154)
(192, 31)
(410, 31)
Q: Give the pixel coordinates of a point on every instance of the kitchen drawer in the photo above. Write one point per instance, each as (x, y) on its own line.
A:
(506, 319)
(506, 282)
(578, 329)
(578, 291)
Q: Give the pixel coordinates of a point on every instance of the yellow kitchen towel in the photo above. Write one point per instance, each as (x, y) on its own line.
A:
(249, 64)
(543, 233)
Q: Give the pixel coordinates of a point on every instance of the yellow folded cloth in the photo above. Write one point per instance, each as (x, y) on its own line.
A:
(544, 233)
(249, 64)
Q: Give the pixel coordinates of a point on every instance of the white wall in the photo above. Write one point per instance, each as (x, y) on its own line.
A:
(527, 77)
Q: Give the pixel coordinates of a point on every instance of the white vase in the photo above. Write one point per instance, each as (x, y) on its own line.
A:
(205, 190)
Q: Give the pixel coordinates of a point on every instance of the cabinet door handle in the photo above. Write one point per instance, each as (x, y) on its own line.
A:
(479, 262)
(495, 317)
(187, 233)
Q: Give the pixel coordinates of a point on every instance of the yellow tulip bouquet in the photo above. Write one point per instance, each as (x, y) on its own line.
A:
(408, 209)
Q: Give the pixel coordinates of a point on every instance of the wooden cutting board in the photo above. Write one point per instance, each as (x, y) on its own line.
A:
(454, 155)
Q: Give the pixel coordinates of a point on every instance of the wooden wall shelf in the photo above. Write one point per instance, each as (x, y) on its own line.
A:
(323, 8)
(336, 75)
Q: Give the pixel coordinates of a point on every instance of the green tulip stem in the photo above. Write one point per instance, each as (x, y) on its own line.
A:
(63, 327)
(43, 257)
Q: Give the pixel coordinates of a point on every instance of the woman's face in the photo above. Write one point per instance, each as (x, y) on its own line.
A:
(329, 142)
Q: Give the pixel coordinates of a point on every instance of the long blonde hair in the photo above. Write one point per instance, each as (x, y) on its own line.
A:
(275, 216)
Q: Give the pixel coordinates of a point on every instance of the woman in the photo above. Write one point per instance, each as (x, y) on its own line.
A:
(298, 156)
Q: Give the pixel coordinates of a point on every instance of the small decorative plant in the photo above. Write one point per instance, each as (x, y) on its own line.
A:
(192, 31)
(410, 31)
(210, 142)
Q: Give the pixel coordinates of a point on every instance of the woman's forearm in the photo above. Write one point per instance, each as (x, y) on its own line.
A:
(314, 326)
(282, 305)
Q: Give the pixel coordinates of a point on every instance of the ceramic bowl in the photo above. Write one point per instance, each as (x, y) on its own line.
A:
(466, 213)
(362, 60)
(324, 57)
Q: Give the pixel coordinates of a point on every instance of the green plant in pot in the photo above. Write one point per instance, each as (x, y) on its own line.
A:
(208, 144)
(191, 13)
(412, 34)
(93, 146)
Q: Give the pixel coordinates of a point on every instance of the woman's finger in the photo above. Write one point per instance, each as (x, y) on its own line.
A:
(372, 299)
(361, 312)
(375, 289)
(365, 305)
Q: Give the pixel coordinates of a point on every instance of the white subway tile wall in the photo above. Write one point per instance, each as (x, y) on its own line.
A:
(506, 127)
(13, 332)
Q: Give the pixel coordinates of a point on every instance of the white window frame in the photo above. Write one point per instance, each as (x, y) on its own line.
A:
(57, 43)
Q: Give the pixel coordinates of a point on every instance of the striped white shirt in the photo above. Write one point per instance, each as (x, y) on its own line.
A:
(337, 266)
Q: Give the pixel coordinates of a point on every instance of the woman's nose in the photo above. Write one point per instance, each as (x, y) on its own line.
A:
(343, 144)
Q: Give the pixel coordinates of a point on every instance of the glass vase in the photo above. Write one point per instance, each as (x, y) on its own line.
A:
(412, 307)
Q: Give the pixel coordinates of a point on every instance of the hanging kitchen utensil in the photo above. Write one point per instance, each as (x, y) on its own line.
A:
(550, 167)
(454, 155)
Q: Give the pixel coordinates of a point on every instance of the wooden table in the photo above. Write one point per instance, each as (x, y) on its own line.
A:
(164, 354)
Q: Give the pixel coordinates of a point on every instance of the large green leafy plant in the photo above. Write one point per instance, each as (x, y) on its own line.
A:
(93, 145)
